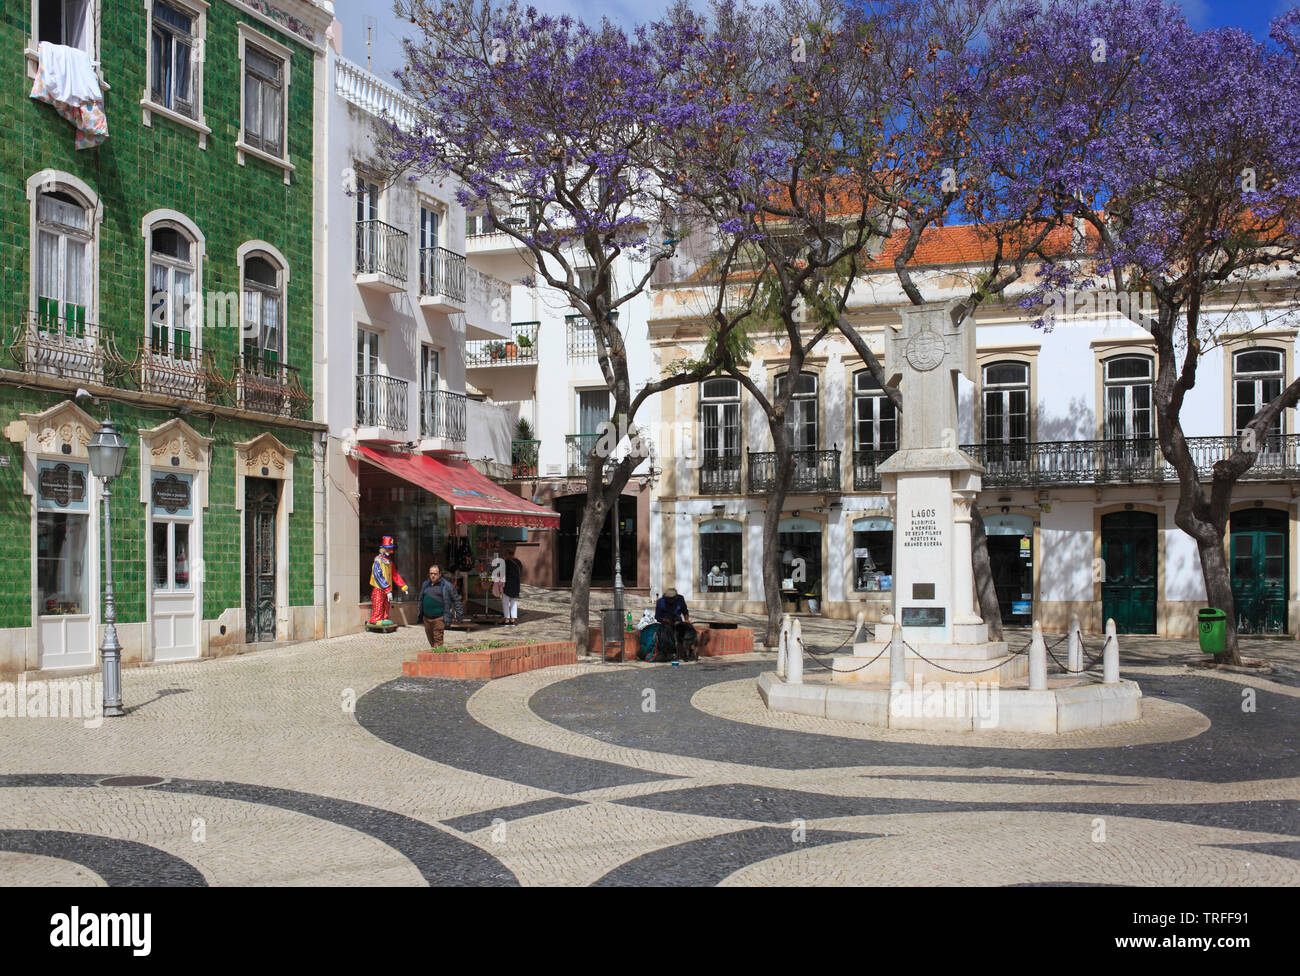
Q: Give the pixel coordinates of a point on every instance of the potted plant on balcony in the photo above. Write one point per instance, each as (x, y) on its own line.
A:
(524, 341)
(524, 450)
(512, 350)
(496, 350)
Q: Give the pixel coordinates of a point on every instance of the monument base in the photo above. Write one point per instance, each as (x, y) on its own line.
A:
(971, 656)
(1067, 705)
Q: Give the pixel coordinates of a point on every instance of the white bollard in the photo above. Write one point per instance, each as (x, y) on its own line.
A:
(859, 627)
(794, 655)
(782, 645)
(1037, 660)
(897, 666)
(1110, 655)
(1074, 661)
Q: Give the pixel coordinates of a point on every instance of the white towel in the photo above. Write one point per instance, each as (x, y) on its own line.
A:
(69, 75)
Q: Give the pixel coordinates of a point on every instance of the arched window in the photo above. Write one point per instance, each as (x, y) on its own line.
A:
(1258, 376)
(1127, 381)
(263, 308)
(173, 291)
(62, 264)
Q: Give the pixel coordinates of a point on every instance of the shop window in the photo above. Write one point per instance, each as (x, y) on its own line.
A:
(873, 555)
(722, 545)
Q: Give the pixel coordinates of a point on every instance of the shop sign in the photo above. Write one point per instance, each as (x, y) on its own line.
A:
(62, 485)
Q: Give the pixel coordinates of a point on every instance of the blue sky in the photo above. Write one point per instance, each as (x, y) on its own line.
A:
(386, 53)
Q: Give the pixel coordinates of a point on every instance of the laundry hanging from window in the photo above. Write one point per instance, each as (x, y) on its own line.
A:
(66, 80)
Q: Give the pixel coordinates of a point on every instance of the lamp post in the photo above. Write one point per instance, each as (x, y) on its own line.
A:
(107, 450)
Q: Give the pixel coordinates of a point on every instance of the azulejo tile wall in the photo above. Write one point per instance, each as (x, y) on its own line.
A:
(137, 170)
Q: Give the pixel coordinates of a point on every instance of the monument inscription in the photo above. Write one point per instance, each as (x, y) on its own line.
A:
(923, 530)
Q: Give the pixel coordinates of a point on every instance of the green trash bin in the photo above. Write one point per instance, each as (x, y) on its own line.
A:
(1212, 626)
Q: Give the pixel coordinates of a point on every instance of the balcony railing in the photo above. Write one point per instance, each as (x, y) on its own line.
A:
(523, 458)
(866, 477)
(381, 401)
(520, 349)
(814, 471)
(368, 92)
(381, 249)
(720, 474)
(265, 385)
(64, 344)
(178, 369)
(581, 337)
(1123, 461)
(442, 274)
(442, 414)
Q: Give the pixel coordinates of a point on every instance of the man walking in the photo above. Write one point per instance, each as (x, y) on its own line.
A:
(438, 602)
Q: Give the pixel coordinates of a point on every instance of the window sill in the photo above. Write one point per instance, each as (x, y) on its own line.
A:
(151, 108)
(242, 148)
(34, 60)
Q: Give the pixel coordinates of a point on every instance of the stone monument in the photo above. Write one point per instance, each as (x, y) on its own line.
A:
(931, 485)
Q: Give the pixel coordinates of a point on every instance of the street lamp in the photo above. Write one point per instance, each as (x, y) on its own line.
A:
(107, 450)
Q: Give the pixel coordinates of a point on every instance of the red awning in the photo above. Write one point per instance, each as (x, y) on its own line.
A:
(474, 499)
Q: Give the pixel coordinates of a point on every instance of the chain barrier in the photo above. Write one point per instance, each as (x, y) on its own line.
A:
(1057, 643)
(804, 649)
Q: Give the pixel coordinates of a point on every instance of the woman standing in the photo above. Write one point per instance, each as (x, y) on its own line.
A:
(510, 588)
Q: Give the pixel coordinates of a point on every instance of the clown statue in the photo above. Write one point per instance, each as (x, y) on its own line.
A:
(382, 577)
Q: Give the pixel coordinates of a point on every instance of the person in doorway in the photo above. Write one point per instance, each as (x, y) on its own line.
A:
(383, 574)
(510, 588)
(439, 606)
(672, 613)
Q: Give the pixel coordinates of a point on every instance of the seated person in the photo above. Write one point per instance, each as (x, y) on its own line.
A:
(671, 612)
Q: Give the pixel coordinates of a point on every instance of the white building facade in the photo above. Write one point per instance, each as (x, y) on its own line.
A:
(1077, 499)
(546, 373)
(400, 304)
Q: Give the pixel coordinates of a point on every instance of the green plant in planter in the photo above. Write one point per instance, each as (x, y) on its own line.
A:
(523, 430)
(524, 341)
(497, 350)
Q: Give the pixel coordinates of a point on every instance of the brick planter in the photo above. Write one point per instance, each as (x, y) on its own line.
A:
(495, 662)
(712, 643)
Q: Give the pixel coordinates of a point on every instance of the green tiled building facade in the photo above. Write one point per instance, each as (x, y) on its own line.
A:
(162, 279)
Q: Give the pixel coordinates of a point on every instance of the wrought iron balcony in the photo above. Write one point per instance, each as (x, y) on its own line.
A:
(523, 458)
(814, 471)
(59, 341)
(1123, 461)
(178, 369)
(266, 385)
(581, 337)
(381, 250)
(442, 414)
(865, 463)
(381, 402)
(720, 474)
(519, 350)
(442, 275)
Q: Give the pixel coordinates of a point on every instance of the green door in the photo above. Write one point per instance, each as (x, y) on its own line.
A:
(1129, 555)
(1258, 548)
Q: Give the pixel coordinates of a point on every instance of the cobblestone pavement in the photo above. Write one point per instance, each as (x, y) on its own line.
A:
(319, 764)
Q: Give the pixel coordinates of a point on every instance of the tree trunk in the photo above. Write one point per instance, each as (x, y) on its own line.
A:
(593, 517)
(987, 593)
(772, 572)
(1218, 581)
